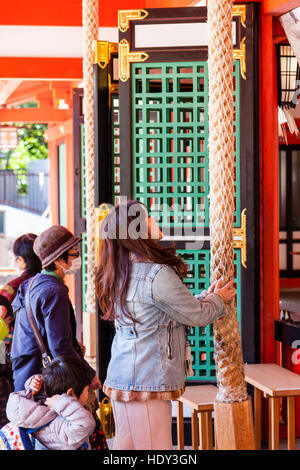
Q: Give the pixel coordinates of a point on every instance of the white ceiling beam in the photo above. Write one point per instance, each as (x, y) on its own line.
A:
(47, 41)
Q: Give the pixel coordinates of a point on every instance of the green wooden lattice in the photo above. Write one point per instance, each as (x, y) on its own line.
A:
(170, 168)
(201, 339)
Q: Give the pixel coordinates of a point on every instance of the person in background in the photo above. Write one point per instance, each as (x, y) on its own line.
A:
(139, 285)
(57, 249)
(27, 263)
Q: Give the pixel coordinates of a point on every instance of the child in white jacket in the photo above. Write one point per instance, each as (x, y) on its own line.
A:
(59, 410)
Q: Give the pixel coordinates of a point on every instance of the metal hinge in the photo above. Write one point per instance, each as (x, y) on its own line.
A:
(100, 214)
(240, 238)
(103, 51)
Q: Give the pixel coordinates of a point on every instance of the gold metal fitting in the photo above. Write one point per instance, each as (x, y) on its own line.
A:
(240, 10)
(100, 214)
(124, 16)
(240, 54)
(126, 57)
(241, 238)
(103, 51)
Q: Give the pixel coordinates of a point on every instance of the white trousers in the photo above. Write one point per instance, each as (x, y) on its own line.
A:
(142, 425)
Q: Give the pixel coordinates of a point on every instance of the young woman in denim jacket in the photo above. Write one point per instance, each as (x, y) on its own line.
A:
(139, 287)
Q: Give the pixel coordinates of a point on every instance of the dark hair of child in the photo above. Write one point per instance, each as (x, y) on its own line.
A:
(66, 372)
(23, 246)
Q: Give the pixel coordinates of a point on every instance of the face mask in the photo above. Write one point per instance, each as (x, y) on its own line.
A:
(76, 264)
(16, 267)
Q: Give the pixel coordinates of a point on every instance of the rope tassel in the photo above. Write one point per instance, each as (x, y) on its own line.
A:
(228, 352)
(90, 33)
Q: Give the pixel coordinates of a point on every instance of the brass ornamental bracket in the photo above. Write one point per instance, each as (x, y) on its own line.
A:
(240, 10)
(124, 16)
(240, 54)
(100, 213)
(103, 51)
(240, 238)
(126, 57)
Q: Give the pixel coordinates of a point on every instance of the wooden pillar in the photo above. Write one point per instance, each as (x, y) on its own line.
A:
(233, 413)
(56, 134)
(53, 182)
(90, 34)
(269, 186)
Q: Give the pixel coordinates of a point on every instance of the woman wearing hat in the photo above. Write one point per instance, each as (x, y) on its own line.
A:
(57, 249)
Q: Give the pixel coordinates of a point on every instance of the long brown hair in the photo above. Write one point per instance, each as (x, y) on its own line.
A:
(117, 241)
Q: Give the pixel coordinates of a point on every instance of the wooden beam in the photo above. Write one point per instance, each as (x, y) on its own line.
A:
(45, 98)
(35, 115)
(7, 87)
(62, 90)
(26, 92)
(35, 12)
(69, 12)
(56, 132)
(278, 7)
(41, 68)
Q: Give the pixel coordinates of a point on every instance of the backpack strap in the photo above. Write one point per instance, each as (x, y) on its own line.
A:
(27, 439)
(46, 359)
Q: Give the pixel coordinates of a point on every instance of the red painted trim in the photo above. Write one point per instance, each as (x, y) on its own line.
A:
(70, 280)
(53, 182)
(43, 68)
(269, 191)
(289, 283)
(278, 7)
(69, 12)
(261, 258)
(41, 13)
(37, 115)
(55, 136)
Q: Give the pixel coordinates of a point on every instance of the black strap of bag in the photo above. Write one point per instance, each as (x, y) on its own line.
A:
(46, 359)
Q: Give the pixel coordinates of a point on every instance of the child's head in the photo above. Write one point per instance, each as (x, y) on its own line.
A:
(67, 374)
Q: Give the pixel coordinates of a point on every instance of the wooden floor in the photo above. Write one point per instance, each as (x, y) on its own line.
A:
(282, 445)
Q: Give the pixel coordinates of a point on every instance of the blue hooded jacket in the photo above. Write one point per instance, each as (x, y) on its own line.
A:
(55, 318)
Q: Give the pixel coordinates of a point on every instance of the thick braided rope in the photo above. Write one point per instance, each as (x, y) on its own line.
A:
(228, 352)
(90, 33)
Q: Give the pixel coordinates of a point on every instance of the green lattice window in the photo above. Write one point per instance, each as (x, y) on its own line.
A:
(201, 339)
(170, 139)
(170, 167)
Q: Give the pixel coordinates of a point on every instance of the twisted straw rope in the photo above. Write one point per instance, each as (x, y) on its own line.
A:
(228, 352)
(90, 33)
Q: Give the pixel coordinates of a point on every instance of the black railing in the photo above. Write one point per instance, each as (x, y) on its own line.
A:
(28, 191)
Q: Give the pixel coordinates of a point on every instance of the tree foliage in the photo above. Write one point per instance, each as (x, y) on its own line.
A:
(31, 146)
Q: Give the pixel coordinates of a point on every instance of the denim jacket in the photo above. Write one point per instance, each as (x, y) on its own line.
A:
(149, 354)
